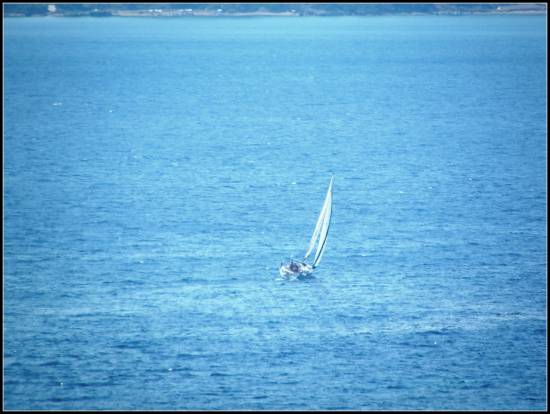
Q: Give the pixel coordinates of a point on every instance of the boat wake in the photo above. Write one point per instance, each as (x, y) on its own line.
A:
(296, 278)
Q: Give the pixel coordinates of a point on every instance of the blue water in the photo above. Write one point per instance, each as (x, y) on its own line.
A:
(157, 171)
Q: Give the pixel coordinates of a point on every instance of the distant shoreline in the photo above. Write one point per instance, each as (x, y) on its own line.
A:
(273, 10)
(274, 14)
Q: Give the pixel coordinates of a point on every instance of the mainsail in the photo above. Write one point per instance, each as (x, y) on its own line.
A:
(321, 228)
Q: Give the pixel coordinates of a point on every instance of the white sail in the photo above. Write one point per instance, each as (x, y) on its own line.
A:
(317, 229)
(326, 224)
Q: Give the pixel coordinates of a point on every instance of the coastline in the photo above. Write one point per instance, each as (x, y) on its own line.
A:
(292, 10)
(286, 14)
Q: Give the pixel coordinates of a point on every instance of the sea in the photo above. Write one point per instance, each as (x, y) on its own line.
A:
(157, 171)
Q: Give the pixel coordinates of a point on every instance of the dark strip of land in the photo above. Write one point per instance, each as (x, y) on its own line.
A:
(265, 9)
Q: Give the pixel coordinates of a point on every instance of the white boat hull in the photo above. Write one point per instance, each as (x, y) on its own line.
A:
(295, 269)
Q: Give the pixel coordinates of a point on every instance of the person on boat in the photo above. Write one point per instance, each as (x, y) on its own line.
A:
(294, 267)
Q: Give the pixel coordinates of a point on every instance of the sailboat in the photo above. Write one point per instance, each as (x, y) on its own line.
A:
(319, 239)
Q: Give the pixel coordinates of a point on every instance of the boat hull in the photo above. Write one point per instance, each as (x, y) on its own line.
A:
(295, 269)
